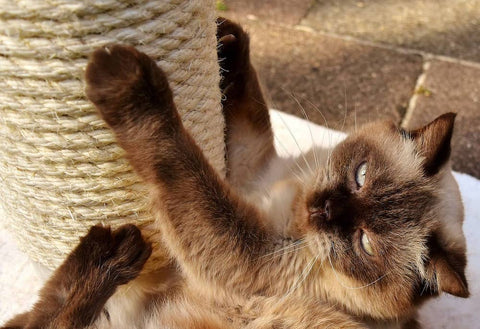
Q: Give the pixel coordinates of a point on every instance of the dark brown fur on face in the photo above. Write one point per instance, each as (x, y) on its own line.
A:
(75, 295)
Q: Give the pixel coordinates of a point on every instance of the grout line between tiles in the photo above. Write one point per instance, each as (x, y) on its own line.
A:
(413, 100)
(407, 51)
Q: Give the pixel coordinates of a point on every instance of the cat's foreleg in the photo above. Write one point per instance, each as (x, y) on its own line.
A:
(76, 293)
(249, 136)
(214, 235)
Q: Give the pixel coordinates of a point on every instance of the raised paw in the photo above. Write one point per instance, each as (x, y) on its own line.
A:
(126, 85)
(118, 255)
(131, 253)
(233, 52)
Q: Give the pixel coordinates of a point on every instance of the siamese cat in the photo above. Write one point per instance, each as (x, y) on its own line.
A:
(357, 236)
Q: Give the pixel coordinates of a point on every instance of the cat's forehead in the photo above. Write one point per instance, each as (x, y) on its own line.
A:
(383, 145)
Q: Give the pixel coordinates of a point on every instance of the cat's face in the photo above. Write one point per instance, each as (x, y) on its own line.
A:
(385, 217)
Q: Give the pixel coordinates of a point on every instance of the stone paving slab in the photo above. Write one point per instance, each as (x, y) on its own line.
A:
(450, 87)
(286, 12)
(442, 27)
(338, 83)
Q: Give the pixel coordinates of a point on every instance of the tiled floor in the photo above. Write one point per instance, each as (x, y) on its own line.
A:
(442, 27)
(337, 82)
(276, 11)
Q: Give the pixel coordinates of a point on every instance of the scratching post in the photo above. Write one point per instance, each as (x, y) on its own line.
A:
(60, 168)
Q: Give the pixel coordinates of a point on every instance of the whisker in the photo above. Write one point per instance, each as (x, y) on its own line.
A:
(324, 120)
(355, 112)
(424, 288)
(296, 142)
(293, 158)
(283, 146)
(319, 111)
(286, 252)
(333, 248)
(291, 245)
(346, 105)
(302, 109)
(303, 276)
(328, 163)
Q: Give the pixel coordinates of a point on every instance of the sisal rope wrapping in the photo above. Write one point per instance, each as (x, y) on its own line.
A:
(60, 168)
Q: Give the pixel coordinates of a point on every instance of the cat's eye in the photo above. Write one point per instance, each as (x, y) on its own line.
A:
(360, 174)
(366, 245)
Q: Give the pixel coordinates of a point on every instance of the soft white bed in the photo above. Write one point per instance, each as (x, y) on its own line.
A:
(20, 279)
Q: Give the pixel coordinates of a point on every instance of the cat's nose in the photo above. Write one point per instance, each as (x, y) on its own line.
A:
(323, 212)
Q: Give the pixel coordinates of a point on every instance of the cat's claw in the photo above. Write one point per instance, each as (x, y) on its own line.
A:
(232, 50)
(125, 84)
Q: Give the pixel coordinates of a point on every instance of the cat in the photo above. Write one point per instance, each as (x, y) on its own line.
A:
(357, 236)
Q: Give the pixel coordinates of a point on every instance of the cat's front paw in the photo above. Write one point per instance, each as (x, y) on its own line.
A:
(233, 52)
(127, 86)
(118, 255)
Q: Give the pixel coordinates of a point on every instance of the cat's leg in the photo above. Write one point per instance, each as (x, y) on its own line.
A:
(213, 234)
(296, 313)
(249, 137)
(77, 291)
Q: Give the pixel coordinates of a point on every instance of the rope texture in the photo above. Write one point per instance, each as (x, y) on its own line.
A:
(60, 168)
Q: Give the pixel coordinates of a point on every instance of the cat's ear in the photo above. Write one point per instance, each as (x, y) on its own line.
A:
(433, 142)
(445, 268)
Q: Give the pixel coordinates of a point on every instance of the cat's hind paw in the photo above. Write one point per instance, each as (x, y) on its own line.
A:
(118, 255)
(126, 85)
(131, 253)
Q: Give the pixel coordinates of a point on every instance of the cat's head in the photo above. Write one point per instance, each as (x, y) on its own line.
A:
(385, 217)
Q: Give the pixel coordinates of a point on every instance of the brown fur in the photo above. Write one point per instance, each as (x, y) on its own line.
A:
(295, 259)
(75, 295)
